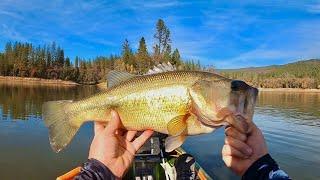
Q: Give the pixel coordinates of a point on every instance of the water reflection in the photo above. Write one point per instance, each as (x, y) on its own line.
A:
(290, 122)
(24, 138)
(300, 108)
(18, 101)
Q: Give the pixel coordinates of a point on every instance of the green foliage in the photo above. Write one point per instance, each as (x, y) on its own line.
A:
(302, 74)
(26, 60)
(175, 58)
(127, 55)
(162, 48)
(143, 58)
(191, 65)
(49, 61)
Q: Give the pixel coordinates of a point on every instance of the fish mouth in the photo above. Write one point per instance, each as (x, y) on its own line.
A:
(216, 120)
(214, 124)
(243, 98)
(241, 104)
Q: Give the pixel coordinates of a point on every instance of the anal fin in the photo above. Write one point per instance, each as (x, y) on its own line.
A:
(173, 142)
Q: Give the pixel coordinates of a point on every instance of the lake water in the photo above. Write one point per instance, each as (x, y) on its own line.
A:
(289, 121)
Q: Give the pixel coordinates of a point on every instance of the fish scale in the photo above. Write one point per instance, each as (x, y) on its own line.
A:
(178, 103)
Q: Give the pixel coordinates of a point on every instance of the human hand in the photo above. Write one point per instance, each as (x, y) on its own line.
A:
(241, 150)
(114, 147)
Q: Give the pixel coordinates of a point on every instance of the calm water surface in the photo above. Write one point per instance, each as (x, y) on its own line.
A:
(290, 122)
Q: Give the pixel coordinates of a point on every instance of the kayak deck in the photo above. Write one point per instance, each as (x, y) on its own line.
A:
(147, 163)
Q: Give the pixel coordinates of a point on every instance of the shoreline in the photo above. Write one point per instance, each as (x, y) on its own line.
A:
(289, 90)
(103, 86)
(40, 81)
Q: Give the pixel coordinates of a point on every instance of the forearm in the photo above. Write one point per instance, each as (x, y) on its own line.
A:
(94, 170)
(265, 168)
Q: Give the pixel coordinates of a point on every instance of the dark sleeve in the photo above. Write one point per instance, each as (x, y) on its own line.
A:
(265, 168)
(94, 170)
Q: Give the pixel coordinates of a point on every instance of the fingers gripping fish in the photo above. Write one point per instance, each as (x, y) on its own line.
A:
(177, 103)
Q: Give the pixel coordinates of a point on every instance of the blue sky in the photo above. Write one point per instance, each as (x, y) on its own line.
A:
(226, 34)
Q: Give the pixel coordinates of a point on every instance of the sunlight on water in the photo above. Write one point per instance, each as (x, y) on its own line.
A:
(290, 122)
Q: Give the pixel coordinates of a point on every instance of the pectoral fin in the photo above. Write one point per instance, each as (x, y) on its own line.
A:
(177, 125)
(173, 142)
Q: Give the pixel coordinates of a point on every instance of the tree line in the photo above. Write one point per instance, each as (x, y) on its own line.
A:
(302, 74)
(49, 61)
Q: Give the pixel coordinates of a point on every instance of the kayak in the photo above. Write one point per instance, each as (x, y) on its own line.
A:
(153, 163)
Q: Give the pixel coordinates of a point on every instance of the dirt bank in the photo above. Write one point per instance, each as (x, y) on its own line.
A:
(289, 90)
(24, 80)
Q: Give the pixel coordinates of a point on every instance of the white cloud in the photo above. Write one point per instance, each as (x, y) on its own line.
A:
(11, 14)
(215, 29)
(152, 5)
(11, 33)
(313, 7)
(299, 42)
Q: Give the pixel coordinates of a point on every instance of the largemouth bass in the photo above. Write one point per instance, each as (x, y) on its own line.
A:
(177, 103)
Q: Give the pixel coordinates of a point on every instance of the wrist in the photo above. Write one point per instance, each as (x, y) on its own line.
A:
(117, 171)
(99, 168)
(259, 167)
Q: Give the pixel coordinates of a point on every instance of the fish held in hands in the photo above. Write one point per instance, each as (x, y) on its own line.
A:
(177, 103)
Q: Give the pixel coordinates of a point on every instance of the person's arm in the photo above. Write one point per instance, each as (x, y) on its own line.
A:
(112, 151)
(247, 155)
(94, 170)
(265, 168)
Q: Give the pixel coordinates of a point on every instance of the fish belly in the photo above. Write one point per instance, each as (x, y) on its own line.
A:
(153, 109)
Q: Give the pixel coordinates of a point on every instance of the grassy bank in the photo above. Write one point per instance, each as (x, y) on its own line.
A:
(24, 80)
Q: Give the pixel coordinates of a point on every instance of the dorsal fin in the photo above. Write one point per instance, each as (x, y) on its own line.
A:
(115, 77)
(160, 68)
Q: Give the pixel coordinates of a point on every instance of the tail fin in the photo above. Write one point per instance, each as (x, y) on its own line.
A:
(58, 119)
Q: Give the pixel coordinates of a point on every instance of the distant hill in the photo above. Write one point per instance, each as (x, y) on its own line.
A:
(300, 74)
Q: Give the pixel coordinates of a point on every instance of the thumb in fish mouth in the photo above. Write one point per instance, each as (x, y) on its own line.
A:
(234, 119)
(239, 122)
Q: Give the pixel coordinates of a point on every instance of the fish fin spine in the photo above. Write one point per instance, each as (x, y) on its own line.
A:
(60, 122)
(160, 68)
(116, 77)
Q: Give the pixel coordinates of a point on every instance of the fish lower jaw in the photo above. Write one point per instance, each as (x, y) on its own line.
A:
(213, 123)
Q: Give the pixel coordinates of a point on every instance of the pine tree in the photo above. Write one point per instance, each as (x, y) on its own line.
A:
(142, 57)
(175, 58)
(2, 64)
(163, 40)
(127, 55)
(167, 54)
(60, 57)
(48, 58)
(198, 65)
(76, 62)
(42, 63)
(53, 53)
(156, 54)
(67, 62)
